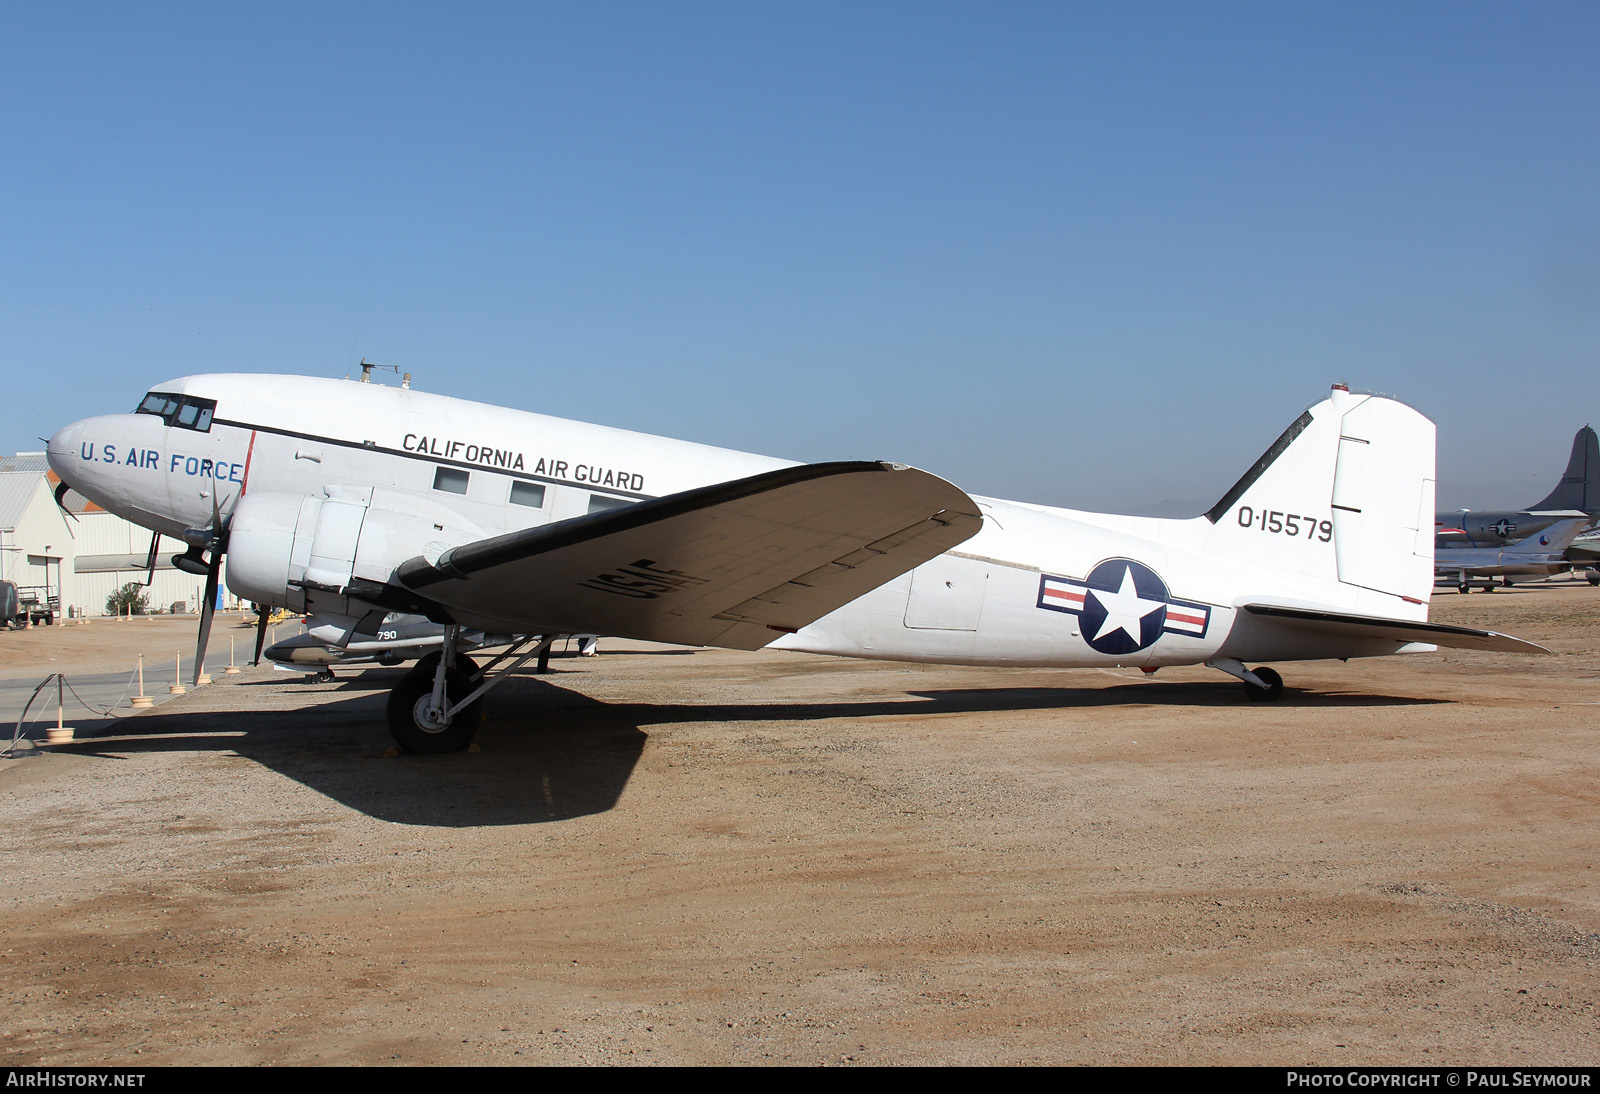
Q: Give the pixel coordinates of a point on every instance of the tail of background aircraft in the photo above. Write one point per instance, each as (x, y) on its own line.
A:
(1579, 487)
(1553, 540)
(1345, 495)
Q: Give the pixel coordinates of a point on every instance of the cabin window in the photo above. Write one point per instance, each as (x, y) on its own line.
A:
(183, 411)
(450, 480)
(599, 503)
(530, 494)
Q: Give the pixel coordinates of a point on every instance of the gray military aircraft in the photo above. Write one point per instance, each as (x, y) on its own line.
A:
(1538, 555)
(1577, 494)
(398, 638)
(1584, 554)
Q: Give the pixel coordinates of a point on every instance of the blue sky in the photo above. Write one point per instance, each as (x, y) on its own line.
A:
(1092, 255)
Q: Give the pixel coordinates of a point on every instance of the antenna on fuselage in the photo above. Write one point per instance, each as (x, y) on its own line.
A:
(368, 366)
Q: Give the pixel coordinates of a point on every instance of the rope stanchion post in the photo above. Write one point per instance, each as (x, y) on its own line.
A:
(141, 700)
(62, 733)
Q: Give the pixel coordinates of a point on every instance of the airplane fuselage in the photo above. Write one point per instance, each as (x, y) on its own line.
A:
(1036, 586)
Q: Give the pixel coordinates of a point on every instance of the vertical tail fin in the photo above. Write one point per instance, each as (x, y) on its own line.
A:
(1552, 541)
(1579, 488)
(1346, 495)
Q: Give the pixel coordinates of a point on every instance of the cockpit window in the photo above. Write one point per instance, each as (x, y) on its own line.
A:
(183, 411)
(160, 404)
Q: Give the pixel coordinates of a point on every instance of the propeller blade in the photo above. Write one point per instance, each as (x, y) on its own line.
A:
(264, 616)
(61, 501)
(150, 563)
(207, 610)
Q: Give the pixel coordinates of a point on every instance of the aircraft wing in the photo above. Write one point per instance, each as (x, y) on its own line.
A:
(1397, 630)
(737, 564)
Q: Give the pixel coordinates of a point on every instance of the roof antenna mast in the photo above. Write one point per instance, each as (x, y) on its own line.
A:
(368, 366)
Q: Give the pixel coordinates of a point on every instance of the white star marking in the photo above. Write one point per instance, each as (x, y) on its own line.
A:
(1125, 608)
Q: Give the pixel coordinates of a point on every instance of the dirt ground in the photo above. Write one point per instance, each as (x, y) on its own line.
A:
(678, 857)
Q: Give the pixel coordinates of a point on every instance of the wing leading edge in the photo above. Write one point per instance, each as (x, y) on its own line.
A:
(736, 564)
(1396, 630)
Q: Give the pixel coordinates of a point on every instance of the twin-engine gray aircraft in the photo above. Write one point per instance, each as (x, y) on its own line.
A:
(349, 501)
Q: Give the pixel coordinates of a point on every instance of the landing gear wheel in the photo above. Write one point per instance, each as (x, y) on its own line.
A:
(428, 662)
(1463, 588)
(1273, 690)
(1594, 578)
(326, 676)
(416, 727)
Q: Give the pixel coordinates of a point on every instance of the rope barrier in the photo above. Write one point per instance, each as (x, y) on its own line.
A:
(107, 712)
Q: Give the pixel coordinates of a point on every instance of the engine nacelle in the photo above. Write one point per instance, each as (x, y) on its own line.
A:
(301, 551)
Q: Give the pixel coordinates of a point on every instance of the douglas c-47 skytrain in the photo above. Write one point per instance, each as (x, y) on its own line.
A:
(349, 501)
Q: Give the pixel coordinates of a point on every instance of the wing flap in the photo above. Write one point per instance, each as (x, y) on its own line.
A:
(735, 564)
(1396, 630)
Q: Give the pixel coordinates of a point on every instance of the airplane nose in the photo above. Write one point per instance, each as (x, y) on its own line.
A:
(62, 449)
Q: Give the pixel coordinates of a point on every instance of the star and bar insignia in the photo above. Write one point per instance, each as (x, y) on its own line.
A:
(1124, 606)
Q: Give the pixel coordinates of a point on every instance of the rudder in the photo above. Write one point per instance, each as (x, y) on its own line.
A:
(1345, 494)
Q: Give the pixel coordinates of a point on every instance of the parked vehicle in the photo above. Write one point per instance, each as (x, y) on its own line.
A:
(11, 607)
(35, 605)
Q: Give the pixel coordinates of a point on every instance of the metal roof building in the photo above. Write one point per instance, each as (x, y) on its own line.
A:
(82, 559)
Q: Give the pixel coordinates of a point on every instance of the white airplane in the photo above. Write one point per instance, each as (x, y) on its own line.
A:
(348, 501)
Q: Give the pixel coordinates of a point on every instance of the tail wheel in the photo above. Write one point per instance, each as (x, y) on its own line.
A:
(1273, 690)
(417, 727)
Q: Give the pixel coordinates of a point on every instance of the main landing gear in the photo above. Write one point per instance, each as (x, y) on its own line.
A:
(1261, 685)
(437, 706)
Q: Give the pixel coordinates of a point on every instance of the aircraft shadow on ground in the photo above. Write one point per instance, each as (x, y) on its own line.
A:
(548, 753)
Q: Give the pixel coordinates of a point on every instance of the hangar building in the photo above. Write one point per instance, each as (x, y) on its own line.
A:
(78, 564)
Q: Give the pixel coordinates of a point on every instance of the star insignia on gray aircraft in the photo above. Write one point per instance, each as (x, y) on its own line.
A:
(1123, 606)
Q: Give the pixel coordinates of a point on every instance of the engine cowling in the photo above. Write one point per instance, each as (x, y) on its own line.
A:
(302, 551)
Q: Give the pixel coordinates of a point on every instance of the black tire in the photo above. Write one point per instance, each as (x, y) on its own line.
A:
(428, 662)
(410, 732)
(1463, 589)
(1594, 578)
(326, 676)
(1271, 693)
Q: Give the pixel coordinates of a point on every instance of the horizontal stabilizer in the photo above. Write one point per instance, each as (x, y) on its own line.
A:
(1397, 630)
(736, 564)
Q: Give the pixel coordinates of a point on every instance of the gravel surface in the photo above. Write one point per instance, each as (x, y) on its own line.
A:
(680, 857)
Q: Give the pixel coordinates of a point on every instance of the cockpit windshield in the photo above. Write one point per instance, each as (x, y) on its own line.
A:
(183, 411)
